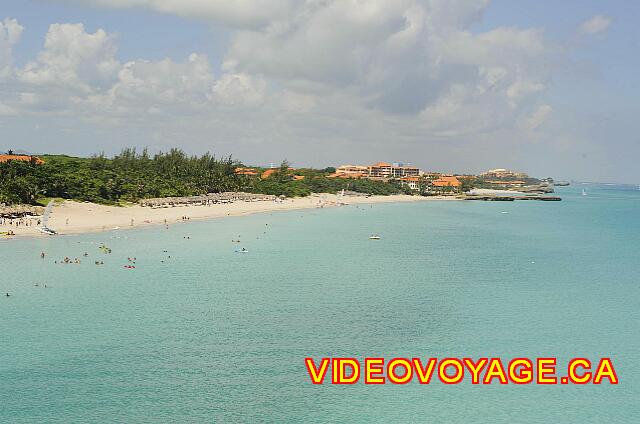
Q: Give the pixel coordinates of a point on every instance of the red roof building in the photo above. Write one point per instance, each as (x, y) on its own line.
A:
(22, 158)
(446, 181)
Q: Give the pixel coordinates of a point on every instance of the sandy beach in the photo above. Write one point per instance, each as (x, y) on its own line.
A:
(71, 217)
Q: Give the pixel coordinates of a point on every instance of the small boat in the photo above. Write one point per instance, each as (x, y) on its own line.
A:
(374, 237)
(47, 230)
(243, 250)
(584, 192)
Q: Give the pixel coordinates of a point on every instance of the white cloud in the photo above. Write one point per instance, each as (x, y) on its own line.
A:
(6, 110)
(303, 72)
(538, 117)
(235, 13)
(596, 25)
(164, 82)
(73, 59)
(239, 89)
(10, 32)
(401, 57)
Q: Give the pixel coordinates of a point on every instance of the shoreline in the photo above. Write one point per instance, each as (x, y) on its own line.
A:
(71, 217)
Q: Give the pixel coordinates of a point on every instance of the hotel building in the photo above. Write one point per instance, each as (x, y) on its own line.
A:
(380, 170)
(407, 175)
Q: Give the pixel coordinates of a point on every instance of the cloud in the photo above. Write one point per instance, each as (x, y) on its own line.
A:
(239, 89)
(10, 32)
(305, 73)
(236, 13)
(6, 110)
(73, 59)
(539, 117)
(146, 85)
(402, 57)
(596, 25)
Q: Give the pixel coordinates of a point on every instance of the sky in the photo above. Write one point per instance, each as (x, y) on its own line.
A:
(546, 87)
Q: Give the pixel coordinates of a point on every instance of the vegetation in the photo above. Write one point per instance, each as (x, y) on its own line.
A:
(130, 176)
(284, 181)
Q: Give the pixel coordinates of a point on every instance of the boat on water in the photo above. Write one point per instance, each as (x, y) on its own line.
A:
(243, 250)
(45, 220)
(47, 230)
(374, 237)
(584, 192)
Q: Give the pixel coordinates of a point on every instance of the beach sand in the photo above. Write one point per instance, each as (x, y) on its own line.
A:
(71, 217)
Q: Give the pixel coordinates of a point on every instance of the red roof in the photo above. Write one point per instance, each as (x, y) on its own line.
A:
(246, 171)
(343, 175)
(23, 158)
(381, 164)
(266, 174)
(446, 181)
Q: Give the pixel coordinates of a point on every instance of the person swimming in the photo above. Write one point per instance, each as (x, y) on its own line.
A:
(7, 295)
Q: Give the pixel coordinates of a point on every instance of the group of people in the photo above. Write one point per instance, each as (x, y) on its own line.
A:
(17, 222)
(68, 260)
(20, 222)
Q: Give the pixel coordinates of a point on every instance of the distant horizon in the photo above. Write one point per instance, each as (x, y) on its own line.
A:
(276, 164)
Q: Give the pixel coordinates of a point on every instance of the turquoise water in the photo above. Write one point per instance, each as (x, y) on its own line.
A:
(211, 335)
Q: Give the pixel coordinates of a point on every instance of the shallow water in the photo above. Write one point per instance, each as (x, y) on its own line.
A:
(211, 335)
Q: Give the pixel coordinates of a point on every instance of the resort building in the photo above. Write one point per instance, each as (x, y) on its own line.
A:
(22, 158)
(380, 170)
(412, 182)
(252, 172)
(352, 171)
(446, 181)
(503, 174)
(272, 171)
(269, 172)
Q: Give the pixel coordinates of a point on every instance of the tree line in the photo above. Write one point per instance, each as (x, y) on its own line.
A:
(130, 176)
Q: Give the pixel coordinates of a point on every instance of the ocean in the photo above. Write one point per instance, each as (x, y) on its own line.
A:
(199, 333)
